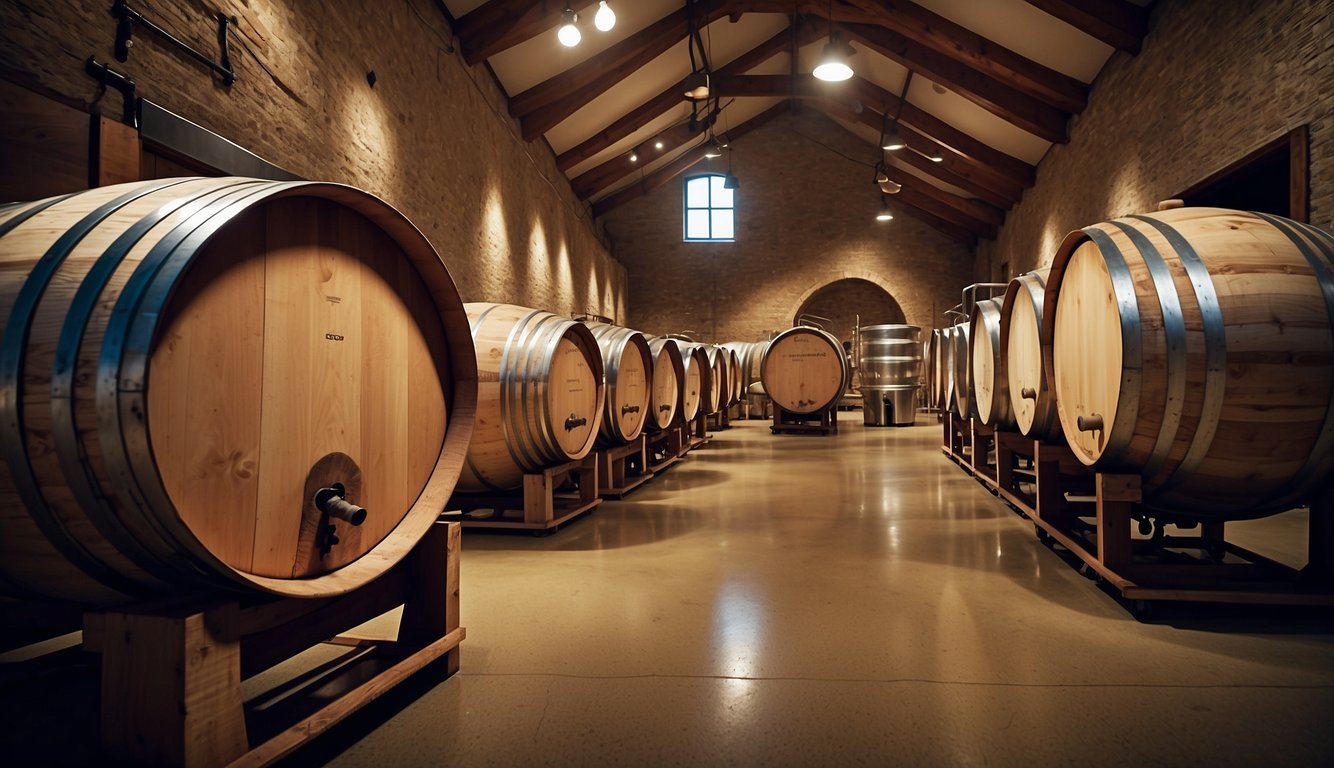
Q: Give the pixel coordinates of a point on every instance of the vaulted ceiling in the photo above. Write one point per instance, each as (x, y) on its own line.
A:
(985, 85)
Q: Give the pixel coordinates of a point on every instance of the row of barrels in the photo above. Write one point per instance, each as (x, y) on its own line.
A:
(201, 378)
(1194, 347)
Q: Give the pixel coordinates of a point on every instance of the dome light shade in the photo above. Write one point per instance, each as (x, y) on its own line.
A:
(884, 214)
(697, 86)
(605, 18)
(568, 34)
(833, 66)
(730, 182)
(713, 150)
(893, 141)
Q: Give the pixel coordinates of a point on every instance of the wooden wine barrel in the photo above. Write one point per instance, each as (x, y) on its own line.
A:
(719, 367)
(187, 361)
(991, 385)
(930, 363)
(1032, 400)
(669, 385)
(698, 379)
(1196, 347)
(629, 370)
(734, 376)
(947, 369)
(804, 370)
(965, 404)
(540, 396)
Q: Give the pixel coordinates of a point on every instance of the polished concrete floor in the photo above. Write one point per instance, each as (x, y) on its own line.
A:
(802, 600)
(844, 600)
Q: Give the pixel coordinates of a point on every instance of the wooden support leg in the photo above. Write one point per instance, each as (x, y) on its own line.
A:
(433, 609)
(538, 504)
(1050, 500)
(1004, 462)
(1117, 495)
(171, 687)
(1320, 540)
(588, 480)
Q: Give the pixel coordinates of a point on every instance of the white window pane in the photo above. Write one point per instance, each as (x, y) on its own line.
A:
(697, 193)
(722, 198)
(722, 225)
(697, 224)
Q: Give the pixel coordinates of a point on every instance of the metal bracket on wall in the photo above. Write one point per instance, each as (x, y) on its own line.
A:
(128, 18)
(110, 78)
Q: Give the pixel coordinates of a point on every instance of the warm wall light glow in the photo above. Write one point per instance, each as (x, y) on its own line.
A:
(568, 34)
(605, 18)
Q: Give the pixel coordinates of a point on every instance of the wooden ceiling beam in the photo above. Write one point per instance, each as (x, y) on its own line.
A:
(594, 180)
(678, 166)
(955, 168)
(1117, 23)
(979, 218)
(978, 53)
(636, 118)
(949, 229)
(969, 183)
(1004, 101)
(498, 25)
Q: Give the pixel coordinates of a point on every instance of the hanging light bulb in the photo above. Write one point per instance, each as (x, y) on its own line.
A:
(568, 34)
(634, 155)
(657, 145)
(893, 141)
(605, 18)
(936, 157)
(833, 66)
(884, 214)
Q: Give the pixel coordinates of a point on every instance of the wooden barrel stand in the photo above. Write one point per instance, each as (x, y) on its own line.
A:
(171, 670)
(823, 422)
(542, 504)
(623, 468)
(665, 448)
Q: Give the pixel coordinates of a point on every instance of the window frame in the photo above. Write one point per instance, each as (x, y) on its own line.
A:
(686, 209)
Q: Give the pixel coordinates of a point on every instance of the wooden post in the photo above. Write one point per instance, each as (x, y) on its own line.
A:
(1117, 495)
(1047, 465)
(538, 504)
(433, 610)
(171, 686)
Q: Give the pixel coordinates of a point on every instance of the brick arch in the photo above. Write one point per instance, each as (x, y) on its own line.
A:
(870, 277)
(848, 300)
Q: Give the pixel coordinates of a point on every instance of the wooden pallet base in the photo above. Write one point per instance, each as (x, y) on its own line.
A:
(788, 423)
(538, 506)
(1097, 518)
(665, 448)
(171, 671)
(623, 468)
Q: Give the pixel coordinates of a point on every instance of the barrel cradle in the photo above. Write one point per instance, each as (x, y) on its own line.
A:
(541, 394)
(628, 364)
(1032, 399)
(1196, 347)
(187, 363)
(804, 370)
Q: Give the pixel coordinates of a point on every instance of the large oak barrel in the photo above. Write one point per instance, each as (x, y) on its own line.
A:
(891, 372)
(804, 370)
(1196, 347)
(185, 362)
(540, 395)
(991, 386)
(669, 385)
(628, 364)
(733, 375)
(698, 378)
(713, 374)
(1032, 400)
(965, 405)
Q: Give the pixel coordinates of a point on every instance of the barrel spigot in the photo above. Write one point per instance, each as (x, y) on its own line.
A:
(574, 421)
(331, 501)
(1090, 423)
(1028, 393)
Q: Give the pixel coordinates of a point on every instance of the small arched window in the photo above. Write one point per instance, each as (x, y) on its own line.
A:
(709, 209)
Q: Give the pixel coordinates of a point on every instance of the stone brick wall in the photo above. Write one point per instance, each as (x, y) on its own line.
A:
(805, 218)
(1213, 82)
(846, 303)
(432, 136)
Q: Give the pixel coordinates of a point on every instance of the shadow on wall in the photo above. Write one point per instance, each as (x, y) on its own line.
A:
(849, 301)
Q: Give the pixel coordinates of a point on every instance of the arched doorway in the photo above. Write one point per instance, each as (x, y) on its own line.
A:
(846, 301)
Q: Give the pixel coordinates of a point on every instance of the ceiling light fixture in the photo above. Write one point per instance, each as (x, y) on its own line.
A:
(714, 149)
(892, 140)
(729, 180)
(697, 82)
(568, 34)
(697, 86)
(605, 18)
(657, 145)
(880, 176)
(884, 214)
(890, 187)
(634, 155)
(833, 66)
(935, 156)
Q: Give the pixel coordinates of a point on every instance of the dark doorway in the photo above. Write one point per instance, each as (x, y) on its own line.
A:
(1272, 179)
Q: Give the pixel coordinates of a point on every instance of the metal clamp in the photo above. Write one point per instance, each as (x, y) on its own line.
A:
(574, 421)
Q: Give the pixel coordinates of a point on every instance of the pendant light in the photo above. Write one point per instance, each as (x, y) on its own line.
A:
(568, 34)
(833, 66)
(892, 141)
(605, 18)
(713, 149)
(884, 213)
(697, 82)
(730, 180)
